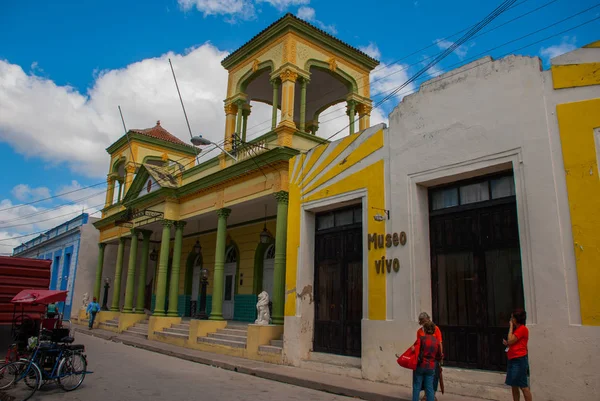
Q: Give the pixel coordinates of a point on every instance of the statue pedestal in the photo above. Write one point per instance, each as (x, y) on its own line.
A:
(259, 334)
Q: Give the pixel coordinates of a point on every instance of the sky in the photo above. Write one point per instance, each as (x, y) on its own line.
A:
(65, 66)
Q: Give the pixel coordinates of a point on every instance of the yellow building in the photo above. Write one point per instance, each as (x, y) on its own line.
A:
(176, 225)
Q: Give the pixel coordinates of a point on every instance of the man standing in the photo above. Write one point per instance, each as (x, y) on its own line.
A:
(92, 309)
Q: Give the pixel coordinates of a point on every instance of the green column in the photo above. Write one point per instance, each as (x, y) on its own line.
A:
(351, 114)
(116, 299)
(238, 124)
(141, 290)
(303, 84)
(217, 295)
(98, 283)
(275, 84)
(245, 115)
(130, 285)
(279, 268)
(174, 282)
(163, 266)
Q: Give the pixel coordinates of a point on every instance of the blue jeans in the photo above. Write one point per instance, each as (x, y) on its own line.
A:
(423, 377)
(92, 317)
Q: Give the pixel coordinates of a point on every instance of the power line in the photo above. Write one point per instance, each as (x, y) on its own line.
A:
(431, 45)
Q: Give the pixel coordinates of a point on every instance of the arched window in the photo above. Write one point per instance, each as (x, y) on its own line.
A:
(270, 252)
(231, 256)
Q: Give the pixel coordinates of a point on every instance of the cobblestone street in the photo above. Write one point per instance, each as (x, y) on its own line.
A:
(126, 373)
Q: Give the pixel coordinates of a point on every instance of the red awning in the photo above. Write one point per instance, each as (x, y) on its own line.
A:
(39, 297)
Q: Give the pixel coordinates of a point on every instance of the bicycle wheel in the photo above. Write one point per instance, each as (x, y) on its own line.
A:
(19, 380)
(71, 371)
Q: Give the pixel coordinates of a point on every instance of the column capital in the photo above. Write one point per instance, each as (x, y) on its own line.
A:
(122, 240)
(180, 224)
(230, 108)
(288, 75)
(364, 109)
(130, 168)
(275, 82)
(304, 81)
(167, 223)
(282, 197)
(134, 232)
(223, 212)
(145, 233)
(101, 245)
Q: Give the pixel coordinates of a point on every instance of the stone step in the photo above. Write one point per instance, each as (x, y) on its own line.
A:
(211, 340)
(174, 335)
(233, 332)
(185, 326)
(110, 324)
(143, 323)
(178, 331)
(137, 334)
(270, 349)
(277, 343)
(228, 337)
(138, 330)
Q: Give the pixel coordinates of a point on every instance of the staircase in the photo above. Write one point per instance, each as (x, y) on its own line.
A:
(181, 330)
(235, 335)
(275, 347)
(112, 324)
(140, 329)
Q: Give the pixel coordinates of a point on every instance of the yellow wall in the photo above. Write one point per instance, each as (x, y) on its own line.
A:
(370, 178)
(576, 122)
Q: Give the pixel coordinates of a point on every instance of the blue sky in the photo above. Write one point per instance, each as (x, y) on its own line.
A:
(65, 66)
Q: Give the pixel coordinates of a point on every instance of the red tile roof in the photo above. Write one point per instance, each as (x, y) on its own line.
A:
(159, 132)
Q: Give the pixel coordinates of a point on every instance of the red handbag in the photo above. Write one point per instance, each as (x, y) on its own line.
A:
(409, 359)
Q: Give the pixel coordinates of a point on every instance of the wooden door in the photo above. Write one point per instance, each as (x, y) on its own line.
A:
(338, 291)
(476, 282)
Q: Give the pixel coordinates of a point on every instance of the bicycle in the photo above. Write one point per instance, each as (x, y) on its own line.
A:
(58, 361)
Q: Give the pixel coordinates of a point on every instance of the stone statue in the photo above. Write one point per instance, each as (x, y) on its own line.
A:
(85, 301)
(262, 306)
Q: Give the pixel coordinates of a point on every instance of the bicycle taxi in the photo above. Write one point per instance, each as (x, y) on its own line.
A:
(43, 351)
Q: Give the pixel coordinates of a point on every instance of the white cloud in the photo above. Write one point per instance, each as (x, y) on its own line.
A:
(461, 51)
(284, 4)
(242, 9)
(372, 50)
(309, 14)
(334, 120)
(566, 45)
(388, 77)
(25, 193)
(74, 128)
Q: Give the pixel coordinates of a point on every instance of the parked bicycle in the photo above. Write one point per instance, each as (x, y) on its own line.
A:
(49, 357)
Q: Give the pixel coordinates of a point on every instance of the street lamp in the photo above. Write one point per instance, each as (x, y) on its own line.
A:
(153, 255)
(265, 235)
(198, 140)
(197, 247)
(204, 282)
(106, 287)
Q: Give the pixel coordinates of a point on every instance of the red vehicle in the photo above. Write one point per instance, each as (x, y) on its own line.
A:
(32, 325)
(17, 274)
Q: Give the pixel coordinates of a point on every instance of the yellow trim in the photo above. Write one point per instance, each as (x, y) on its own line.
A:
(369, 146)
(575, 75)
(339, 148)
(576, 122)
(593, 44)
(311, 162)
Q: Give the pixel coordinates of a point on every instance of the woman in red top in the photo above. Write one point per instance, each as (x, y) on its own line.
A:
(517, 373)
(424, 318)
(429, 354)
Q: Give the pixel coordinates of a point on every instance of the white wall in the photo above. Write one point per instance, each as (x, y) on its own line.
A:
(484, 117)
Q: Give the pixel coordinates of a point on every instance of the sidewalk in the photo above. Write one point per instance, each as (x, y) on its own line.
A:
(331, 383)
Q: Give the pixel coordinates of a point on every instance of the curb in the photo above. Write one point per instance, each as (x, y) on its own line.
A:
(257, 372)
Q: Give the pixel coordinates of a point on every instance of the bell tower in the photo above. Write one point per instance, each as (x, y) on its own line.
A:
(300, 71)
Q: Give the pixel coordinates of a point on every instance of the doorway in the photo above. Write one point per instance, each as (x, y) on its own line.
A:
(268, 270)
(231, 258)
(476, 274)
(338, 282)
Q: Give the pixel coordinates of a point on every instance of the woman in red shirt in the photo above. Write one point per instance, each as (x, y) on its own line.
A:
(429, 354)
(517, 373)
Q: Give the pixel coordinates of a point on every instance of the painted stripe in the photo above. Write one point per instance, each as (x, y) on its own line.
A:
(575, 75)
(372, 144)
(298, 162)
(316, 154)
(340, 147)
(595, 44)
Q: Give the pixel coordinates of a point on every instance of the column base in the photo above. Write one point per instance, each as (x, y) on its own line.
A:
(277, 320)
(114, 309)
(218, 317)
(172, 314)
(127, 310)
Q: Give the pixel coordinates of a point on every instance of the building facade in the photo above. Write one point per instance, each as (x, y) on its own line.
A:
(71, 247)
(478, 199)
(173, 221)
